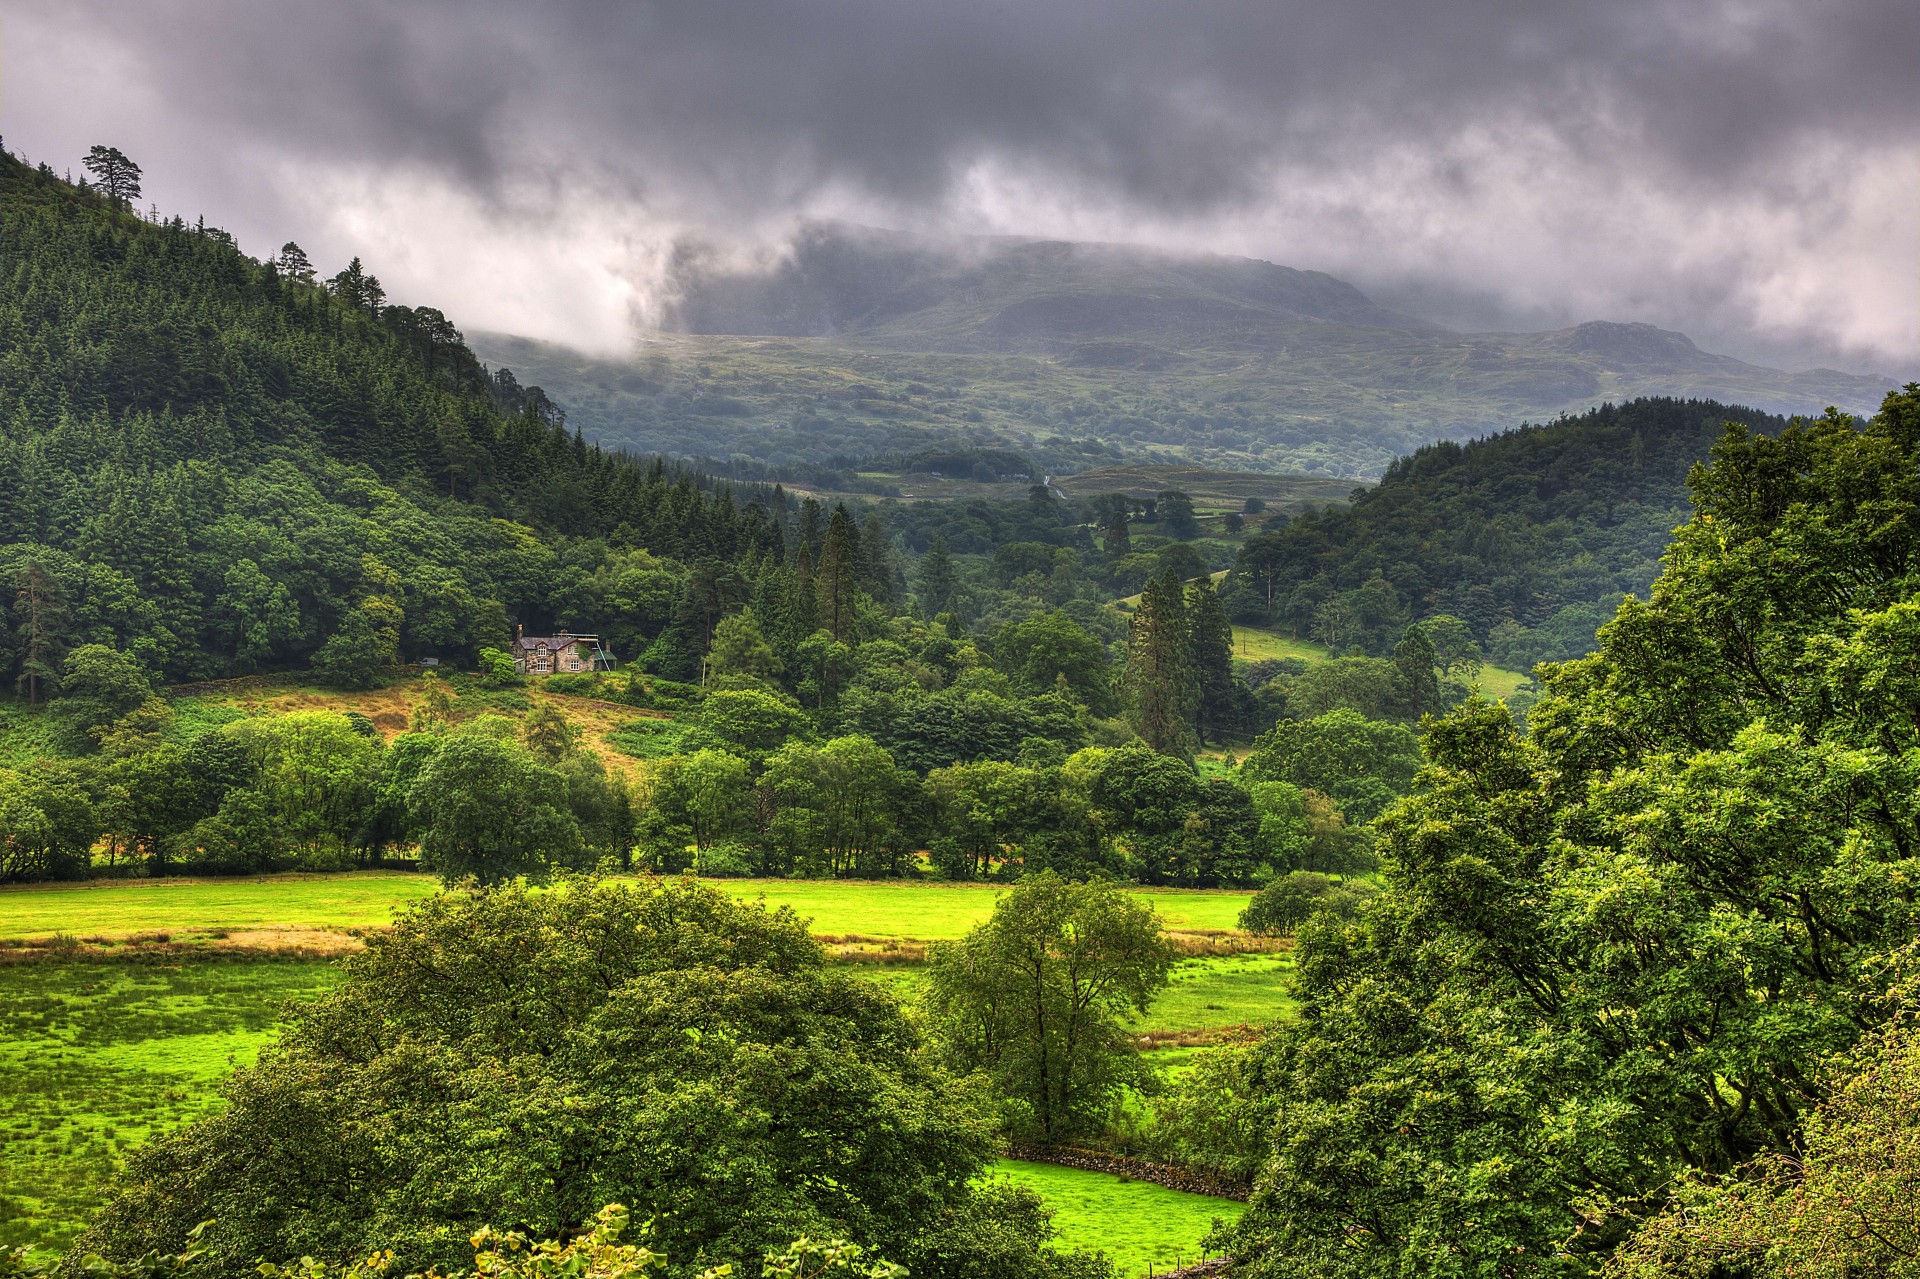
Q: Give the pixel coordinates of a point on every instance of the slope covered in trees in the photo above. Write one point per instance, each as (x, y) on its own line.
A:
(1530, 537)
(221, 464)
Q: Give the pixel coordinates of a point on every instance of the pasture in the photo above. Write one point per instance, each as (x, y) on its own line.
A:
(95, 1058)
(186, 908)
(1137, 1223)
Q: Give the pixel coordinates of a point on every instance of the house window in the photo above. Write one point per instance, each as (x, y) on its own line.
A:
(573, 663)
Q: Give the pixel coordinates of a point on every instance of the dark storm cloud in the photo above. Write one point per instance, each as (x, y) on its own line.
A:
(1182, 112)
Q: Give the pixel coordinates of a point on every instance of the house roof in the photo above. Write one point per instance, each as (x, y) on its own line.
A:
(553, 642)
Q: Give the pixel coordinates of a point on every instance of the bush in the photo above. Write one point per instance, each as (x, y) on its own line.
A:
(728, 860)
(496, 669)
(1281, 907)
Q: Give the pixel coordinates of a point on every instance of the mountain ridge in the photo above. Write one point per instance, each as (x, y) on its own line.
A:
(862, 342)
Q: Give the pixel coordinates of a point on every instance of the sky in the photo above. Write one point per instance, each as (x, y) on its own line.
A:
(1745, 171)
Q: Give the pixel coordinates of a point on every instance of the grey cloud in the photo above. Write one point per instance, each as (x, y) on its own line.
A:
(1185, 111)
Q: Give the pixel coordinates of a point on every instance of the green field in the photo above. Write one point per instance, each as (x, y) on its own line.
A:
(1136, 1223)
(94, 1058)
(1254, 645)
(925, 911)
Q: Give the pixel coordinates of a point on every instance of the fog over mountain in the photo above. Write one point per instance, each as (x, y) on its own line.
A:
(1738, 171)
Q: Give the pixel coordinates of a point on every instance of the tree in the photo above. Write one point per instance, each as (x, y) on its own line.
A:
(981, 812)
(1361, 764)
(47, 827)
(694, 800)
(433, 713)
(40, 612)
(315, 771)
(937, 580)
(294, 263)
(1616, 947)
(1159, 679)
(1413, 662)
(1210, 659)
(1841, 1204)
(527, 1057)
(837, 580)
(489, 810)
(1115, 538)
(1289, 901)
(1038, 997)
(496, 668)
(1176, 514)
(1049, 649)
(1454, 648)
(117, 177)
(740, 649)
(834, 808)
(548, 733)
(350, 658)
(98, 685)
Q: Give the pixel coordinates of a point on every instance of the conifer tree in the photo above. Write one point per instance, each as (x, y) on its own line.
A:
(40, 609)
(295, 265)
(1210, 653)
(936, 578)
(839, 574)
(1159, 679)
(117, 177)
(876, 563)
(1114, 537)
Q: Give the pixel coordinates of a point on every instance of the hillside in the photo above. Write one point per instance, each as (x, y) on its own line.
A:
(1530, 536)
(224, 467)
(863, 342)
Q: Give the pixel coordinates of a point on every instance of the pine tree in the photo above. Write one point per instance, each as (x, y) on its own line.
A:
(1210, 654)
(839, 575)
(936, 578)
(1159, 680)
(117, 177)
(40, 608)
(1115, 539)
(295, 265)
(877, 574)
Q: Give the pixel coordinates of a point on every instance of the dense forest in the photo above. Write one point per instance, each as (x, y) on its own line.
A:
(1530, 537)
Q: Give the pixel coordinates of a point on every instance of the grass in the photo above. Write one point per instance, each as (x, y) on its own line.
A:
(1136, 1223)
(1254, 645)
(906, 909)
(934, 911)
(119, 907)
(1217, 991)
(96, 1058)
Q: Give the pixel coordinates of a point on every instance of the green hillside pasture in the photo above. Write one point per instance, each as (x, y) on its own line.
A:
(1137, 1223)
(95, 1058)
(364, 899)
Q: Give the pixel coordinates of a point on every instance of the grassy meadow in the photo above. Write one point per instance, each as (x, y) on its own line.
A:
(1137, 1223)
(97, 1057)
(186, 908)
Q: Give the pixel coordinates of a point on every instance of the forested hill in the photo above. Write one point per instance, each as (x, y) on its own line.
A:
(221, 464)
(1530, 536)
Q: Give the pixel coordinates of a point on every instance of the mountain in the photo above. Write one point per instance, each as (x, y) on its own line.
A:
(859, 342)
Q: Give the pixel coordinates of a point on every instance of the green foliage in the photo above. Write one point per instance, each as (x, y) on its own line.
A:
(1360, 764)
(490, 810)
(1527, 536)
(529, 1057)
(1614, 950)
(1841, 1204)
(98, 687)
(496, 668)
(1288, 902)
(1037, 997)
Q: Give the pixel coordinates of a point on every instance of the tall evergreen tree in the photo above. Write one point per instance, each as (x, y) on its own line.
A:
(936, 578)
(40, 612)
(838, 578)
(1115, 540)
(1210, 654)
(1159, 680)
